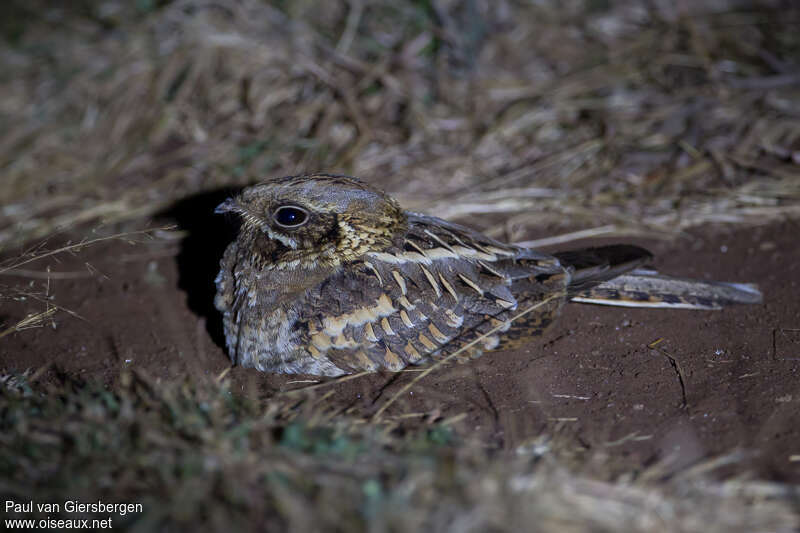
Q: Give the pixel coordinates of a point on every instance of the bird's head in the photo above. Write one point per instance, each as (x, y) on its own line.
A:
(315, 220)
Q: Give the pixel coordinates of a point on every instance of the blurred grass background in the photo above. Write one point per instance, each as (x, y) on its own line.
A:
(616, 117)
(631, 116)
(199, 456)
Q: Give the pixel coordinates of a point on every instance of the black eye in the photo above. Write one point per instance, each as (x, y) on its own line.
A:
(290, 216)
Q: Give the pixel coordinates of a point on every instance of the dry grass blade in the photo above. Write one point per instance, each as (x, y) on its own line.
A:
(438, 364)
(334, 381)
(12, 269)
(36, 256)
(32, 321)
(602, 231)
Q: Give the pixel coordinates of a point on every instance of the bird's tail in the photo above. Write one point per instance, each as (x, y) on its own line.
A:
(612, 275)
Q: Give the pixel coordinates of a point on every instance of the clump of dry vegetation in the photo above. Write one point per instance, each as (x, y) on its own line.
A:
(198, 455)
(628, 116)
(617, 117)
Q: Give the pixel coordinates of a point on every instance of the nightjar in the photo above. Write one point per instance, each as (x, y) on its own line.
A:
(328, 276)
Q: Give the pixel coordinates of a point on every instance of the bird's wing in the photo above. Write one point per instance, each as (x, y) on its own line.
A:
(438, 288)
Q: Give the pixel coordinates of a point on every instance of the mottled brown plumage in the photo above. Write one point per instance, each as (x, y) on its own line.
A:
(329, 276)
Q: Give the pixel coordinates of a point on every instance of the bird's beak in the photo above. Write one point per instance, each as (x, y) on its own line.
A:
(227, 206)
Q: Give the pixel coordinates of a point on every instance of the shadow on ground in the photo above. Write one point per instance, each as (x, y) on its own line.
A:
(208, 234)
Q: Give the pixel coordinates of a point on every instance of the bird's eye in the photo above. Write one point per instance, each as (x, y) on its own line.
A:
(290, 216)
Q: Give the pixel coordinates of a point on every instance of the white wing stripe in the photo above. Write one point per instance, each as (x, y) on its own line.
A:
(456, 252)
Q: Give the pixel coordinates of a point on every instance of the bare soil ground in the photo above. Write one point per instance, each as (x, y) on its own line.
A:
(715, 383)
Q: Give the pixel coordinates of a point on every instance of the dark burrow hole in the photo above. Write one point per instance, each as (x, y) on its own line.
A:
(208, 234)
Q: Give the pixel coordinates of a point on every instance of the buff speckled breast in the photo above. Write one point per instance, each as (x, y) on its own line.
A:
(329, 276)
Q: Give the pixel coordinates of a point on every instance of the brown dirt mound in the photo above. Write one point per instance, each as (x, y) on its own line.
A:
(716, 382)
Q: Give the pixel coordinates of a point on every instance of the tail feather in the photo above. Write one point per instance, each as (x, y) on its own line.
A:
(611, 275)
(591, 266)
(657, 291)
